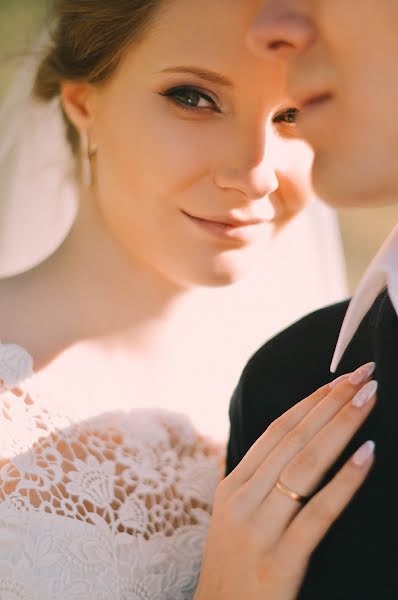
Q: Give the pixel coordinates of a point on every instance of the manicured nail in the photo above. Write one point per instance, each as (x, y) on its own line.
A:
(365, 394)
(362, 456)
(340, 379)
(362, 374)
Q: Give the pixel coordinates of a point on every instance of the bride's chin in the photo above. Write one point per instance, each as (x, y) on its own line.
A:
(219, 269)
(222, 279)
(225, 271)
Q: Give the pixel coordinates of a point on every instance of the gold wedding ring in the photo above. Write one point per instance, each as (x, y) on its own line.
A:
(281, 487)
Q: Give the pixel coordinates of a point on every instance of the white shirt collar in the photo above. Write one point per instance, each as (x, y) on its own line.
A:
(382, 273)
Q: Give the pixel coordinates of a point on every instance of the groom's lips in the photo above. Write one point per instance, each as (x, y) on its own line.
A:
(315, 100)
(311, 104)
(311, 119)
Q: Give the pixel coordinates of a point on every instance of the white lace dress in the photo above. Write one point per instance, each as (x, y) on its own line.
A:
(115, 507)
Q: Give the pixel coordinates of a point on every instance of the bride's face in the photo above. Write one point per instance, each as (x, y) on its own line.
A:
(195, 138)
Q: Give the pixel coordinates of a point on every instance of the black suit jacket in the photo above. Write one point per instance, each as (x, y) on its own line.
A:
(358, 559)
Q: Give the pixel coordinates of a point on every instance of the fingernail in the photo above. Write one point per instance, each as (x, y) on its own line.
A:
(365, 394)
(362, 374)
(362, 456)
(336, 382)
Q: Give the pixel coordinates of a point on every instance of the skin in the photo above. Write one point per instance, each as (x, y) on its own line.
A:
(348, 50)
(230, 155)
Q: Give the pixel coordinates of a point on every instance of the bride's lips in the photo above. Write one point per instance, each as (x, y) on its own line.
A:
(226, 227)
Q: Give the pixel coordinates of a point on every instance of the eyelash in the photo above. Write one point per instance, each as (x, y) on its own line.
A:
(290, 113)
(172, 94)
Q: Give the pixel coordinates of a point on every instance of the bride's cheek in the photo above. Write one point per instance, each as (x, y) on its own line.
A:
(173, 153)
(184, 147)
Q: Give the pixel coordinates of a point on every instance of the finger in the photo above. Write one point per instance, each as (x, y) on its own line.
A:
(307, 469)
(272, 437)
(314, 520)
(287, 447)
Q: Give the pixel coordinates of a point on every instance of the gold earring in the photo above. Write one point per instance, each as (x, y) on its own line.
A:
(87, 152)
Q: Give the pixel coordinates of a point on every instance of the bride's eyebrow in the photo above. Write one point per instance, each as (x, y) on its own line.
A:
(207, 74)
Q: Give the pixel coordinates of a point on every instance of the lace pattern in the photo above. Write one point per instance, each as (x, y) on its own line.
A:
(114, 507)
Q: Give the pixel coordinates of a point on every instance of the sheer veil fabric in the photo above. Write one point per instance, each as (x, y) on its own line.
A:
(38, 195)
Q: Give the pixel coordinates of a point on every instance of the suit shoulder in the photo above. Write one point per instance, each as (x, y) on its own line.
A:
(302, 350)
(282, 372)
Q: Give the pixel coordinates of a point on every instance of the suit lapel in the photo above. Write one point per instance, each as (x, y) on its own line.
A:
(385, 340)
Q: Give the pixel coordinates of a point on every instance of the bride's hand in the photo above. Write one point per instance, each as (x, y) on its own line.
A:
(260, 537)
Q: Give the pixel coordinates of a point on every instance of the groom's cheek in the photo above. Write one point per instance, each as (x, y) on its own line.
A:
(295, 176)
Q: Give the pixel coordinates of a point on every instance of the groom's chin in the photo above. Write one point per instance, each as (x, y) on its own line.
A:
(342, 184)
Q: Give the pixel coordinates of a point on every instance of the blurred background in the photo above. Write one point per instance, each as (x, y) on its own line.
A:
(304, 270)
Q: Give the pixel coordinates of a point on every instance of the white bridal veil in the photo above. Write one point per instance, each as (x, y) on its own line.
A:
(38, 198)
(38, 202)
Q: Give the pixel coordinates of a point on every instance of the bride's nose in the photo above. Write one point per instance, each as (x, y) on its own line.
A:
(250, 168)
(281, 32)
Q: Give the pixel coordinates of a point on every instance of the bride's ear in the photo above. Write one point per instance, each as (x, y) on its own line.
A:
(78, 103)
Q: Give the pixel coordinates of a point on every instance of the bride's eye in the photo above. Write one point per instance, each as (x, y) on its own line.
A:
(288, 116)
(191, 98)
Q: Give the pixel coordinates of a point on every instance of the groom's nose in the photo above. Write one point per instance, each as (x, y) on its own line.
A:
(281, 31)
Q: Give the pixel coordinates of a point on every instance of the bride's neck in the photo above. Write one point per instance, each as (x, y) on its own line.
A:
(89, 290)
